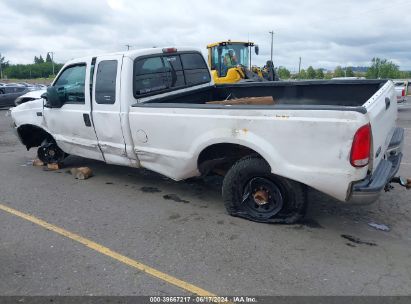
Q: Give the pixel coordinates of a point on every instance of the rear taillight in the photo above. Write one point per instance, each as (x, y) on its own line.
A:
(403, 92)
(361, 146)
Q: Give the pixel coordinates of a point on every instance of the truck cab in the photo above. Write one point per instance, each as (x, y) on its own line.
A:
(87, 105)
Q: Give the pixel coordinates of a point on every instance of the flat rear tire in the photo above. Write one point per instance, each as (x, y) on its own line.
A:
(251, 191)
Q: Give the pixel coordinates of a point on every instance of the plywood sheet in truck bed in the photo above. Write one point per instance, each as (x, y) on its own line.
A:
(263, 100)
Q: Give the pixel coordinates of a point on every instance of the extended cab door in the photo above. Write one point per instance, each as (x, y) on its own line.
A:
(71, 124)
(107, 107)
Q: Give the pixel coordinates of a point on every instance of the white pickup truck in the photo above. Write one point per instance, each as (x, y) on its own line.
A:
(401, 88)
(151, 108)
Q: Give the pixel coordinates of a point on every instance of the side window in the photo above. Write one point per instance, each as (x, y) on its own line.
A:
(70, 84)
(195, 69)
(8, 90)
(149, 76)
(106, 82)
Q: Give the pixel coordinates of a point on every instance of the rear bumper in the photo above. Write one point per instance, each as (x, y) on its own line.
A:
(369, 189)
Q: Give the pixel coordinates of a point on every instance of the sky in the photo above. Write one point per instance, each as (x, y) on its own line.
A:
(324, 33)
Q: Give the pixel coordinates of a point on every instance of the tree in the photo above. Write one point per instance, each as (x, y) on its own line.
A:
(303, 74)
(41, 60)
(382, 68)
(338, 72)
(319, 74)
(27, 71)
(283, 73)
(310, 72)
(405, 74)
(3, 64)
(349, 72)
(329, 75)
(48, 58)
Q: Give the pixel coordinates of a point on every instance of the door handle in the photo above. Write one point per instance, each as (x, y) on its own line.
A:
(387, 103)
(87, 120)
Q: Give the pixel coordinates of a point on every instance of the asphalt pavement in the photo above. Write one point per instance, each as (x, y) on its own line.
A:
(181, 230)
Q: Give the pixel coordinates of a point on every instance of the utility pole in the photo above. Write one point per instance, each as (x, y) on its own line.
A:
(1, 68)
(299, 68)
(128, 47)
(272, 43)
(52, 60)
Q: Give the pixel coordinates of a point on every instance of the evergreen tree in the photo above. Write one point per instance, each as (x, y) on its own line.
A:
(338, 72)
(319, 74)
(303, 74)
(349, 72)
(310, 72)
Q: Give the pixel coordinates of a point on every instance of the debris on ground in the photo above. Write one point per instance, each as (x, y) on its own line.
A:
(53, 166)
(310, 223)
(379, 226)
(81, 172)
(356, 240)
(150, 189)
(37, 163)
(175, 197)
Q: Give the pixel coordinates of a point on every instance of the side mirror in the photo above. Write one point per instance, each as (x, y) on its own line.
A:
(256, 49)
(52, 97)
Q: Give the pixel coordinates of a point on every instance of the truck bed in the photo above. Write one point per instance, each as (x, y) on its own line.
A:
(335, 93)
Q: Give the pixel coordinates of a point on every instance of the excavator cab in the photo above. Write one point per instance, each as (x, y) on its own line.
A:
(230, 61)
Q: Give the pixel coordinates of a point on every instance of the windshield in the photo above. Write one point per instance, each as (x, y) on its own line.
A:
(228, 56)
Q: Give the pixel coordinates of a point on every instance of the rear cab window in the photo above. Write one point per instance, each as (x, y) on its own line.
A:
(162, 73)
(194, 69)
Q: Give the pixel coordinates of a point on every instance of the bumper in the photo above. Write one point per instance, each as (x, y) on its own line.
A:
(369, 189)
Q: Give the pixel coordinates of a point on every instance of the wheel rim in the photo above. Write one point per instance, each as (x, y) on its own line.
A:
(50, 153)
(262, 198)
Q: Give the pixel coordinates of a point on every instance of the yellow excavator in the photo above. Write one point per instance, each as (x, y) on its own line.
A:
(230, 62)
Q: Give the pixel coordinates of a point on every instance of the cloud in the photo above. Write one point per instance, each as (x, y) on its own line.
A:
(324, 33)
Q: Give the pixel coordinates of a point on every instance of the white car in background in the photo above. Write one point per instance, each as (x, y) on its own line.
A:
(401, 91)
(32, 95)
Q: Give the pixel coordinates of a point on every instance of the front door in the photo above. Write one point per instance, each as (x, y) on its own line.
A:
(107, 109)
(71, 125)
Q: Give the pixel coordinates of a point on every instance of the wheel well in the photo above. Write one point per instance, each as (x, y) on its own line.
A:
(220, 157)
(32, 136)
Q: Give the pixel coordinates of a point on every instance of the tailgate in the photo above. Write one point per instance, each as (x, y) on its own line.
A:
(382, 112)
